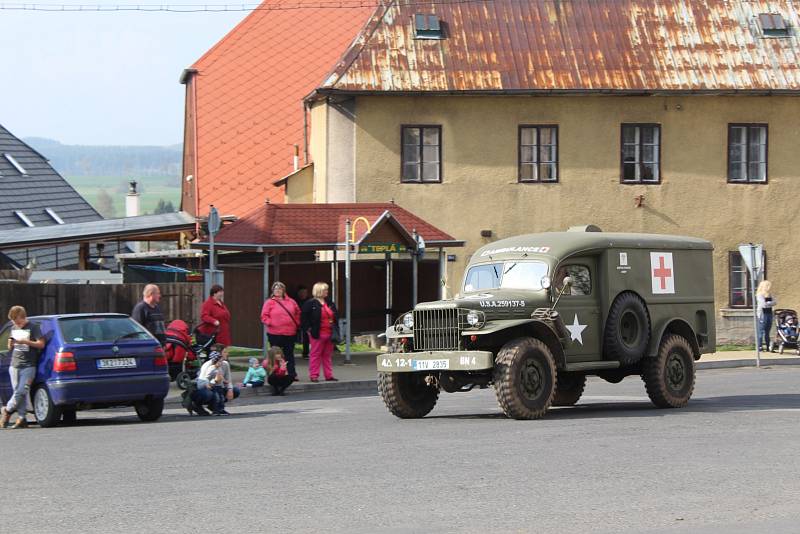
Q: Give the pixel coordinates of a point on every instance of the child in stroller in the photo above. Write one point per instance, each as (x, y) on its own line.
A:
(184, 356)
(786, 331)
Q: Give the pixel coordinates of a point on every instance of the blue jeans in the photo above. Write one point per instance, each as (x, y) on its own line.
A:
(208, 397)
(21, 380)
(764, 327)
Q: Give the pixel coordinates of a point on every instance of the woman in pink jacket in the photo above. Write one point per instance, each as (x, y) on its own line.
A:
(281, 316)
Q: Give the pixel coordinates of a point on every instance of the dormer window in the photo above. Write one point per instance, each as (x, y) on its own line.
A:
(773, 25)
(427, 26)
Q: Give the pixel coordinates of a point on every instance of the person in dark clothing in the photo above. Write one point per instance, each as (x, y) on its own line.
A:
(320, 320)
(278, 377)
(148, 313)
(302, 298)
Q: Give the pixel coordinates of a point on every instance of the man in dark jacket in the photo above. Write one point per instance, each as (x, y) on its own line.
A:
(148, 313)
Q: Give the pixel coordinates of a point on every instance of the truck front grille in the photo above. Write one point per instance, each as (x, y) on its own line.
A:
(437, 329)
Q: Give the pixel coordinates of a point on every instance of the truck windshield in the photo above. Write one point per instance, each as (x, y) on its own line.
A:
(509, 274)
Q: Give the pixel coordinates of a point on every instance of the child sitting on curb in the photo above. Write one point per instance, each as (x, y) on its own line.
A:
(255, 375)
(279, 377)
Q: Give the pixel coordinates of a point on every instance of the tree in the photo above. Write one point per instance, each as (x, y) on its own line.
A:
(105, 204)
(164, 207)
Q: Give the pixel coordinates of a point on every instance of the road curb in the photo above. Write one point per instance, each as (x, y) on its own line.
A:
(322, 387)
(731, 364)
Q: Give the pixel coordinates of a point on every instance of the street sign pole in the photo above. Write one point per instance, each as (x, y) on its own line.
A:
(213, 227)
(754, 280)
(347, 291)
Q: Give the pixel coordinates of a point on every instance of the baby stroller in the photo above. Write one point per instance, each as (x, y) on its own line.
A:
(786, 331)
(184, 357)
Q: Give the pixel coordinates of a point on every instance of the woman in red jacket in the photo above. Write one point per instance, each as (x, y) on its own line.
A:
(281, 316)
(215, 317)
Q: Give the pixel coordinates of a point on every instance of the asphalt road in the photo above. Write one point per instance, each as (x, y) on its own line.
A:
(727, 463)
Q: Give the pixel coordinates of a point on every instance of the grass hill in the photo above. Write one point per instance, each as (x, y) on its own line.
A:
(101, 173)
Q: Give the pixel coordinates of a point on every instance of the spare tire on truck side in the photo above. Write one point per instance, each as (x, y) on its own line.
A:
(627, 331)
(525, 378)
(407, 395)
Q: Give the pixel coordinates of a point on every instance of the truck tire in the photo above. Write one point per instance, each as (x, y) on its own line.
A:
(407, 395)
(525, 378)
(569, 389)
(669, 377)
(627, 332)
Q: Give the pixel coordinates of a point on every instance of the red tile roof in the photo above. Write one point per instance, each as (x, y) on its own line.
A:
(250, 88)
(288, 224)
(593, 45)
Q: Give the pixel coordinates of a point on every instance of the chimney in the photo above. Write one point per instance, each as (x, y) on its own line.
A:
(132, 200)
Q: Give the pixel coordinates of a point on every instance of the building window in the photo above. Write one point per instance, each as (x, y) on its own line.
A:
(747, 153)
(641, 154)
(538, 154)
(740, 294)
(422, 153)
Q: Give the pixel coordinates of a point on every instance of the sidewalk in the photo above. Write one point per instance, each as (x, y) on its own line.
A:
(361, 374)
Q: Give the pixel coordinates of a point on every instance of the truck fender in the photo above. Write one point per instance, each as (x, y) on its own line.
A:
(675, 325)
(528, 327)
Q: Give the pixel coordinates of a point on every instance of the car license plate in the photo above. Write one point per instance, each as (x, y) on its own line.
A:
(430, 365)
(116, 363)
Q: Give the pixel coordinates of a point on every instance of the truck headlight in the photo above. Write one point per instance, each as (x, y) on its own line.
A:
(408, 320)
(474, 318)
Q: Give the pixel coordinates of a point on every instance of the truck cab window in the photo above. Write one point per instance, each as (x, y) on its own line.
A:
(581, 279)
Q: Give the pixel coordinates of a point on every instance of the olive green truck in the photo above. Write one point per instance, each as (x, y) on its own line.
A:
(538, 313)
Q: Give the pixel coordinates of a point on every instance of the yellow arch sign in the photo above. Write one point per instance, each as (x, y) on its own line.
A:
(355, 224)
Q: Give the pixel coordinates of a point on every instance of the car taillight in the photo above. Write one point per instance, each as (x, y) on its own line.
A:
(65, 362)
(160, 360)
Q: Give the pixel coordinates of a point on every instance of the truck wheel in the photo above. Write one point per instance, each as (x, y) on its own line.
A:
(569, 389)
(407, 395)
(150, 409)
(627, 331)
(525, 378)
(669, 377)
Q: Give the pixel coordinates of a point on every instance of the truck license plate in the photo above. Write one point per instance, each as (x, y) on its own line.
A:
(430, 365)
(116, 363)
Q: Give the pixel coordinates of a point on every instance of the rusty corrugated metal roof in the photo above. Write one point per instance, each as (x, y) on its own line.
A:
(509, 46)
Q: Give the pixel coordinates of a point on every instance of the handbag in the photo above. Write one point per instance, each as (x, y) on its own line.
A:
(336, 334)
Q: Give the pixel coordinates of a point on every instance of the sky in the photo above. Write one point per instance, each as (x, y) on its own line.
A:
(108, 78)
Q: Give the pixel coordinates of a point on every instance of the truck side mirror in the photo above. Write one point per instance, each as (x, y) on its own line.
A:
(565, 285)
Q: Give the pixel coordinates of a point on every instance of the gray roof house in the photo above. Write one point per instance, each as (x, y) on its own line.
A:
(34, 195)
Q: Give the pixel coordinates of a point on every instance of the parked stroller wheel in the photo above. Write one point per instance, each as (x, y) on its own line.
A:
(183, 380)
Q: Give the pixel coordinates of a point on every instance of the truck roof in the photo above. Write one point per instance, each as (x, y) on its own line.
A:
(565, 244)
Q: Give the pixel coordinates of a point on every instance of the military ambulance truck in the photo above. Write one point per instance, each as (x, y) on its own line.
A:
(538, 313)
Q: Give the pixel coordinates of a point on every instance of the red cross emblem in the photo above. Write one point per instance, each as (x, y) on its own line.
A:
(662, 272)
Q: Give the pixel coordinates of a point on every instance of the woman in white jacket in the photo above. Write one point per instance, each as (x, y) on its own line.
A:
(765, 304)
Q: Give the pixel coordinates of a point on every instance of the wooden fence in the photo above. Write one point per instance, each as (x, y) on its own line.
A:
(178, 300)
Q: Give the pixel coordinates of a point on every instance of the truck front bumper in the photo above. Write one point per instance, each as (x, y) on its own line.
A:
(435, 360)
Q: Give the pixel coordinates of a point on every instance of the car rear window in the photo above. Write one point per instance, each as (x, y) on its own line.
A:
(100, 329)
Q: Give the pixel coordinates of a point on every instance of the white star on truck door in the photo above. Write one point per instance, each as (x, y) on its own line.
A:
(576, 330)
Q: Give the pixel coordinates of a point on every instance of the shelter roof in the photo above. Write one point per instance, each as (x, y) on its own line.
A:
(320, 226)
(165, 226)
(628, 46)
(249, 93)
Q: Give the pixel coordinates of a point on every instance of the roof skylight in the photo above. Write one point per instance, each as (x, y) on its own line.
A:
(24, 218)
(53, 215)
(427, 26)
(15, 164)
(773, 25)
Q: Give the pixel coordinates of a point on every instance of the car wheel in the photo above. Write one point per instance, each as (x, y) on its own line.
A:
(47, 414)
(69, 416)
(183, 380)
(669, 377)
(627, 331)
(525, 378)
(150, 409)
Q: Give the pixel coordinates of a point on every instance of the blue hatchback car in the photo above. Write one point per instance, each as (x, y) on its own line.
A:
(92, 361)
